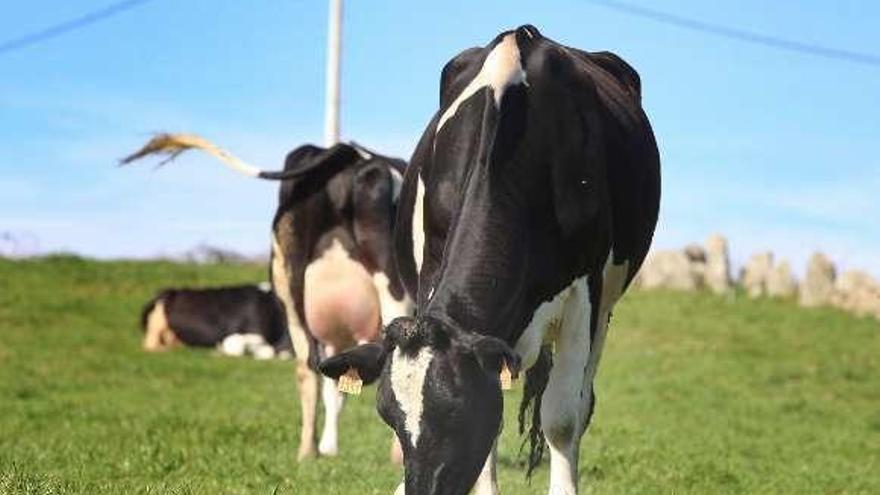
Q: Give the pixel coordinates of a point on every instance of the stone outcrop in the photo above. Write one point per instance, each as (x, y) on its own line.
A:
(818, 285)
(669, 270)
(754, 275)
(696, 267)
(781, 281)
(858, 293)
(717, 273)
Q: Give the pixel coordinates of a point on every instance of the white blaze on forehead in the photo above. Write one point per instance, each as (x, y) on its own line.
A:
(408, 383)
(501, 69)
(418, 221)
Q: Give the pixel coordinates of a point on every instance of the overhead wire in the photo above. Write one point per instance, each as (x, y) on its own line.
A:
(738, 34)
(74, 24)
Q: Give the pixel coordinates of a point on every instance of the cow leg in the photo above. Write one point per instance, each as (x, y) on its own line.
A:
(564, 400)
(329, 444)
(568, 401)
(308, 395)
(487, 483)
(307, 378)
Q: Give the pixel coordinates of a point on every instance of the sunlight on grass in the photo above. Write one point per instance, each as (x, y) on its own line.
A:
(696, 394)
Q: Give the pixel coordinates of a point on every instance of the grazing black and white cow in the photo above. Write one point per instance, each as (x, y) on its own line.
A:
(529, 205)
(236, 319)
(331, 266)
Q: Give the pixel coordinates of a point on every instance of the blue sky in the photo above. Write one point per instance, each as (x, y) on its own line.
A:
(776, 150)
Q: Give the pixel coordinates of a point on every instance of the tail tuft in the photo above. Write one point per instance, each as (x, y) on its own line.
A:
(164, 144)
(536, 382)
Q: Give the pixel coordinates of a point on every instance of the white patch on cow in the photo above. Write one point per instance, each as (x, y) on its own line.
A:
(408, 382)
(390, 307)
(501, 69)
(366, 155)
(240, 344)
(232, 345)
(265, 286)
(566, 398)
(156, 326)
(418, 222)
(562, 479)
(614, 278)
(487, 483)
(547, 317)
(396, 183)
(263, 352)
(332, 398)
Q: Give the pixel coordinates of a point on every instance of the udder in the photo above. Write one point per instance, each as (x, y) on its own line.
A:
(341, 302)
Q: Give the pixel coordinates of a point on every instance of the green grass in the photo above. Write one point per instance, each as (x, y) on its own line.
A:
(697, 394)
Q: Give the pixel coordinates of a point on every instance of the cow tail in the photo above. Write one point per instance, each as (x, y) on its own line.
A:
(536, 382)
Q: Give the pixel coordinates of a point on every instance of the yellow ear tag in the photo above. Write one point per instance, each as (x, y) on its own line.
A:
(350, 382)
(505, 377)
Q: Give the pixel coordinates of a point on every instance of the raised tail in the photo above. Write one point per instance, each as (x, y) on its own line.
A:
(172, 145)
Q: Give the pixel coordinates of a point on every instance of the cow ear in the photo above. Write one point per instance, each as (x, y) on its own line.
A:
(368, 360)
(494, 354)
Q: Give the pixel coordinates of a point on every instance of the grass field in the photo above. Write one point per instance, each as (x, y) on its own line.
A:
(697, 394)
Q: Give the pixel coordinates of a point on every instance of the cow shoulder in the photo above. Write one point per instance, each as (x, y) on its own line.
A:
(458, 72)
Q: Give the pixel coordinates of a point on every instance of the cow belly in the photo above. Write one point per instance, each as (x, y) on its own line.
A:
(341, 303)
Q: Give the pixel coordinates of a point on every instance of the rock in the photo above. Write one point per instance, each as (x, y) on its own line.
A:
(781, 282)
(717, 273)
(818, 284)
(754, 275)
(858, 293)
(669, 270)
(695, 253)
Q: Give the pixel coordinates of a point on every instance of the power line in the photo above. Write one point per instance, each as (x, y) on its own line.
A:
(739, 34)
(68, 26)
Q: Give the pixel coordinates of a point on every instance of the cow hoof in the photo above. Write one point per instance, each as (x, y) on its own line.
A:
(328, 450)
(306, 453)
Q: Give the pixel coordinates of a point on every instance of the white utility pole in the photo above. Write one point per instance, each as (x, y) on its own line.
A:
(334, 46)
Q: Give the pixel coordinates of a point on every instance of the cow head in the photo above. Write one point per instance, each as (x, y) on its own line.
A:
(439, 390)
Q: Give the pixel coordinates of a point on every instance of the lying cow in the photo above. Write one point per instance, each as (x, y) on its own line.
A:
(529, 205)
(331, 265)
(237, 320)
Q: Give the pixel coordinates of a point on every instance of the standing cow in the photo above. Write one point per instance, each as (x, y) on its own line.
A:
(331, 266)
(529, 205)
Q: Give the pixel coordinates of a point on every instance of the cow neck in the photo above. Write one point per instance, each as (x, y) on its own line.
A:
(481, 282)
